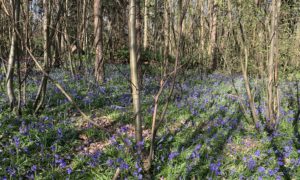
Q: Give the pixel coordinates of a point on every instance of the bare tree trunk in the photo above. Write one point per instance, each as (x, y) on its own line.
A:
(98, 23)
(139, 42)
(213, 35)
(244, 66)
(83, 25)
(40, 98)
(133, 71)
(69, 50)
(201, 37)
(166, 36)
(12, 54)
(272, 87)
(145, 43)
(26, 44)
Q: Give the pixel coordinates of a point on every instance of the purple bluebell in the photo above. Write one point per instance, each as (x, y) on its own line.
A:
(11, 171)
(251, 163)
(59, 133)
(257, 153)
(261, 169)
(110, 162)
(124, 165)
(16, 141)
(215, 168)
(33, 168)
(69, 170)
(172, 155)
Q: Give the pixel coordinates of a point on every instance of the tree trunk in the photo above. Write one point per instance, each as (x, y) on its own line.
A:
(98, 23)
(139, 42)
(40, 98)
(145, 43)
(213, 35)
(272, 87)
(166, 37)
(12, 54)
(133, 71)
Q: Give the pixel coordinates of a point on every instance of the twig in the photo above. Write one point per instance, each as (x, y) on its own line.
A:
(117, 174)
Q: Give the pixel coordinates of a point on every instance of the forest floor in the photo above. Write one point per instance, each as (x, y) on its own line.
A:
(205, 133)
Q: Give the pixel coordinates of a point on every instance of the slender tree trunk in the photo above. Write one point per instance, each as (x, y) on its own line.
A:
(213, 35)
(244, 65)
(40, 98)
(12, 54)
(139, 42)
(83, 25)
(146, 5)
(98, 23)
(69, 50)
(166, 37)
(273, 90)
(26, 44)
(202, 37)
(133, 71)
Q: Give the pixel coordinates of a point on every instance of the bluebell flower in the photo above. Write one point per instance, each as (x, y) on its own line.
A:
(33, 168)
(53, 147)
(16, 141)
(257, 153)
(140, 144)
(198, 147)
(251, 164)
(127, 142)
(96, 155)
(113, 140)
(69, 170)
(280, 162)
(172, 155)
(261, 169)
(272, 172)
(25, 149)
(124, 165)
(215, 168)
(287, 151)
(110, 162)
(59, 133)
(137, 166)
(11, 171)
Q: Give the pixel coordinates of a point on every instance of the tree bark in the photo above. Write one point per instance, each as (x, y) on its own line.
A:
(213, 35)
(40, 98)
(273, 90)
(98, 23)
(133, 71)
(12, 54)
(139, 42)
(145, 43)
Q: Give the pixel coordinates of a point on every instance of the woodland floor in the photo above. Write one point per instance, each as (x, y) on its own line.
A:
(205, 134)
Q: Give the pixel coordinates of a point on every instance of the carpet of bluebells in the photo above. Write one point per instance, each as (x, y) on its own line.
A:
(205, 133)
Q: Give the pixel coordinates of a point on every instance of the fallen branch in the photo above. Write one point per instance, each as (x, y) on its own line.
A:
(70, 99)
